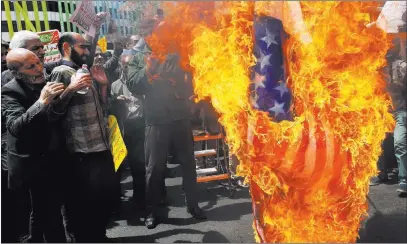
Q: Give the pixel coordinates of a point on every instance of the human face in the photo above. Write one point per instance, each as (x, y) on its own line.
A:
(124, 65)
(31, 71)
(99, 58)
(4, 52)
(80, 51)
(36, 47)
(134, 39)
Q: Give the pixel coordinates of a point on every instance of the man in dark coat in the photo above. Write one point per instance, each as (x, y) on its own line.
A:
(32, 145)
(168, 129)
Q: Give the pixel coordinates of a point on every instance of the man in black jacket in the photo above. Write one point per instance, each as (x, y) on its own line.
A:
(32, 145)
(168, 129)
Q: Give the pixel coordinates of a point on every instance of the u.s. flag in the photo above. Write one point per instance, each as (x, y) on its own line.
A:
(269, 78)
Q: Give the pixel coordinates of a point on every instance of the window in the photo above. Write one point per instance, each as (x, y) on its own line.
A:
(52, 6)
(42, 24)
(10, 4)
(54, 25)
(127, 31)
(4, 26)
(29, 6)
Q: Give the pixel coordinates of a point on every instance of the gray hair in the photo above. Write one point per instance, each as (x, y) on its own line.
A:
(21, 38)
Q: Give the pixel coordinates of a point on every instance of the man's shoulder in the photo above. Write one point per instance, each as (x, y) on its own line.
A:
(12, 87)
(50, 66)
(6, 76)
(62, 74)
(63, 69)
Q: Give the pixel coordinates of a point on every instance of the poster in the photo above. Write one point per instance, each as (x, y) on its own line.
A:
(117, 146)
(84, 17)
(50, 41)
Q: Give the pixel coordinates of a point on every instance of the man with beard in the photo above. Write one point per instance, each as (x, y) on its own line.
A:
(28, 40)
(33, 163)
(92, 169)
(20, 202)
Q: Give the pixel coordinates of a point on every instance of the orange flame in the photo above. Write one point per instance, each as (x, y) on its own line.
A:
(308, 177)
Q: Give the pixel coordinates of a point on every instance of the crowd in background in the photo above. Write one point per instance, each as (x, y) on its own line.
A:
(58, 176)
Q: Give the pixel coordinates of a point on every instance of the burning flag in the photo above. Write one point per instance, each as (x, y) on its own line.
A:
(271, 93)
(308, 172)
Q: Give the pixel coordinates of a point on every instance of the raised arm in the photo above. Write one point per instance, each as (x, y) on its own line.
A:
(137, 81)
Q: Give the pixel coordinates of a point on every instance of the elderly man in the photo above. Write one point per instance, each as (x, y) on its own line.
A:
(84, 123)
(31, 41)
(32, 146)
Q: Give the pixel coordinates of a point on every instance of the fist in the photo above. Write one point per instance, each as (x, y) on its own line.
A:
(50, 91)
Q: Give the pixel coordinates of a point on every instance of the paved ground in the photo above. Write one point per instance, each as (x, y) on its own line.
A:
(230, 220)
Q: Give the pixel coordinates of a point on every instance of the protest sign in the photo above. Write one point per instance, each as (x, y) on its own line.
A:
(84, 17)
(50, 40)
(117, 146)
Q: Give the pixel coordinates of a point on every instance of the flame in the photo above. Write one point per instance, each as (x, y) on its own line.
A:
(308, 177)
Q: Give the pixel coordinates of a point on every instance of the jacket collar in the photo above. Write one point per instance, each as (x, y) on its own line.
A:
(70, 64)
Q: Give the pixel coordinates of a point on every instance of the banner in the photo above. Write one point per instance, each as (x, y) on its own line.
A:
(50, 41)
(117, 146)
(84, 17)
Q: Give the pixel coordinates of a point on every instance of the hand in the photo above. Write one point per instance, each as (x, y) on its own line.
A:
(112, 27)
(100, 18)
(193, 97)
(98, 73)
(124, 98)
(79, 82)
(50, 91)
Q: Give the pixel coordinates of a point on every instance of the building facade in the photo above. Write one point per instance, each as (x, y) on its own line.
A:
(43, 15)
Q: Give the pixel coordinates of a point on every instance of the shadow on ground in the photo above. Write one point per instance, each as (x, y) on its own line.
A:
(208, 237)
(384, 228)
(208, 196)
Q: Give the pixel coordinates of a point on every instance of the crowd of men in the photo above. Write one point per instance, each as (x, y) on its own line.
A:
(58, 176)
